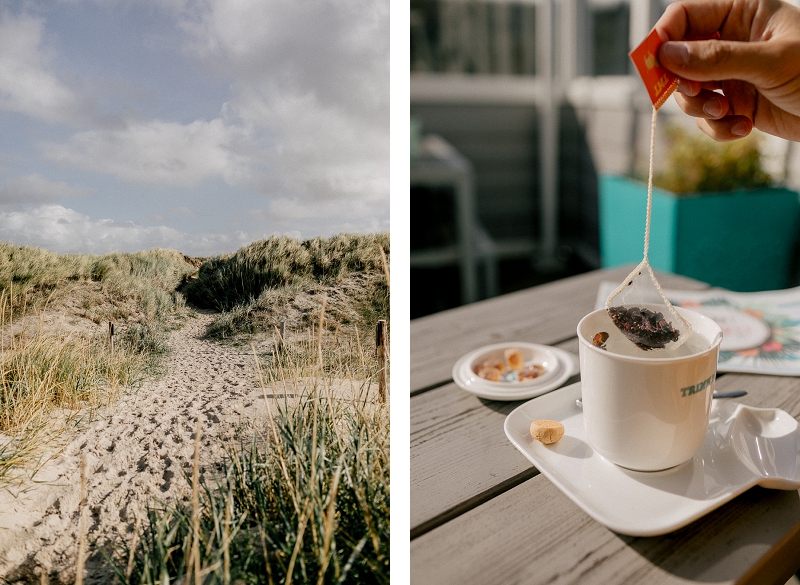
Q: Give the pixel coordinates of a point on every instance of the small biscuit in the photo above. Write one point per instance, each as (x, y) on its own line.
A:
(547, 431)
(495, 363)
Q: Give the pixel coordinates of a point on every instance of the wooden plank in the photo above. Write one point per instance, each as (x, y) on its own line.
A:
(777, 565)
(460, 455)
(545, 314)
(542, 537)
(458, 119)
(533, 534)
(498, 151)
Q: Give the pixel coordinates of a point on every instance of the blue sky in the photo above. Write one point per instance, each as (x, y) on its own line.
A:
(199, 125)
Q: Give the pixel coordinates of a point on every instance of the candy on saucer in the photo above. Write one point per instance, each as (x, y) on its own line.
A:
(511, 368)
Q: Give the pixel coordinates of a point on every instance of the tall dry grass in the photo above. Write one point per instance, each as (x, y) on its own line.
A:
(280, 279)
(49, 374)
(228, 281)
(146, 281)
(306, 500)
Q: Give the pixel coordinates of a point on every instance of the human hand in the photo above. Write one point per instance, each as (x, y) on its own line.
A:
(755, 63)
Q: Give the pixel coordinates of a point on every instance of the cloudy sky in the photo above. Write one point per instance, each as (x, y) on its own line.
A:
(199, 125)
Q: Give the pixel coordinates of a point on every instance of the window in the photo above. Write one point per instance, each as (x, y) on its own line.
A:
(470, 36)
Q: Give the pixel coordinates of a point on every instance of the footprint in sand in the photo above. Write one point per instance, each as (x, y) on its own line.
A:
(34, 531)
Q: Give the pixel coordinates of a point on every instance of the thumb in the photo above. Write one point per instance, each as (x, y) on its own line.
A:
(716, 60)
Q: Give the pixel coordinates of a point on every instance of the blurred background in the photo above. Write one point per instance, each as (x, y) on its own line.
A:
(518, 109)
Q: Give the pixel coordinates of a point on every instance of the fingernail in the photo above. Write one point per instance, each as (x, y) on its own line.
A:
(676, 53)
(740, 129)
(713, 108)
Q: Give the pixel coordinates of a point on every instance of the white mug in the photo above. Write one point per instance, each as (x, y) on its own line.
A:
(644, 411)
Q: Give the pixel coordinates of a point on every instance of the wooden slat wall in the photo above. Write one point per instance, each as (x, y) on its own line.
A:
(500, 141)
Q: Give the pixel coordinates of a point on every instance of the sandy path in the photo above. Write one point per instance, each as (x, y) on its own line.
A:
(137, 450)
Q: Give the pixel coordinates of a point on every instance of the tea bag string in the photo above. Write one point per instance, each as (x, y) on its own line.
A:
(645, 264)
(650, 190)
(650, 173)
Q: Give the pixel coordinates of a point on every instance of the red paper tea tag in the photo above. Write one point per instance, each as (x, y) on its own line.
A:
(659, 82)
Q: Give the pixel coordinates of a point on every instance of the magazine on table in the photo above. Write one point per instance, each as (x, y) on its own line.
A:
(761, 330)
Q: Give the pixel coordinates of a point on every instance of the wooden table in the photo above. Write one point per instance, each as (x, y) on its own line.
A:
(480, 513)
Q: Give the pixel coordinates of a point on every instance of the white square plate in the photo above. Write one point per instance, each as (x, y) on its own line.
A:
(744, 447)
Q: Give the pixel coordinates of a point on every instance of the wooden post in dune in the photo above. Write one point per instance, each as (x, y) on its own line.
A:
(111, 336)
(81, 525)
(382, 353)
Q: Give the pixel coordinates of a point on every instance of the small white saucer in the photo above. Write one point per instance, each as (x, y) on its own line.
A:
(744, 447)
(559, 366)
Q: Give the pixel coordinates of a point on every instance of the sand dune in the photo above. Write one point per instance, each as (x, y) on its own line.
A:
(137, 452)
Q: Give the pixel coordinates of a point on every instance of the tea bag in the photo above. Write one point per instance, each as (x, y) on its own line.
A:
(638, 307)
(643, 314)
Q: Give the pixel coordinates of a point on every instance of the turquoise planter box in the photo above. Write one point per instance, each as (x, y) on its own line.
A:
(742, 241)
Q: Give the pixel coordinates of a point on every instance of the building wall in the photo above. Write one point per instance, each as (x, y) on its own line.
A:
(601, 130)
(500, 141)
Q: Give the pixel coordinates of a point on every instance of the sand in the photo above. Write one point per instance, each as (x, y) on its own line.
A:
(136, 451)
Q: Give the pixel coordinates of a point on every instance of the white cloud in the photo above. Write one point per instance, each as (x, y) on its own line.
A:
(319, 153)
(160, 153)
(313, 77)
(336, 48)
(64, 230)
(307, 114)
(35, 190)
(305, 121)
(27, 84)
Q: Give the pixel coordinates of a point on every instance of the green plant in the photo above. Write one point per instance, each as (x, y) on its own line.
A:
(43, 374)
(698, 164)
(145, 338)
(280, 280)
(145, 280)
(233, 280)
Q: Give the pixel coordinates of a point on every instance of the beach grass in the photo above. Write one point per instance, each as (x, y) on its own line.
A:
(303, 495)
(49, 371)
(304, 500)
(139, 282)
(280, 280)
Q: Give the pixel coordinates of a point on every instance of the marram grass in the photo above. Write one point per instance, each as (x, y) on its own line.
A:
(141, 282)
(48, 374)
(46, 379)
(280, 280)
(306, 501)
